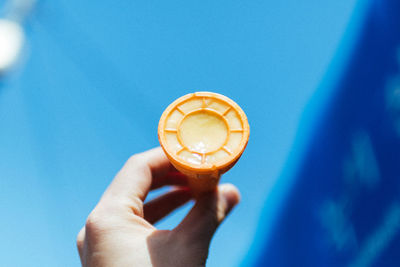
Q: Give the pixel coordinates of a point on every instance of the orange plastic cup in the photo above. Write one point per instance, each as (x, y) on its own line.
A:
(203, 134)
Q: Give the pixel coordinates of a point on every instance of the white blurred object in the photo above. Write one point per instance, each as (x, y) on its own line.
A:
(12, 35)
(11, 41)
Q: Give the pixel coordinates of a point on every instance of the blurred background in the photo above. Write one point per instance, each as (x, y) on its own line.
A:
(83, 85)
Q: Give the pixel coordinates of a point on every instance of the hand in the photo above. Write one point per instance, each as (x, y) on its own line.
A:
(120, 232)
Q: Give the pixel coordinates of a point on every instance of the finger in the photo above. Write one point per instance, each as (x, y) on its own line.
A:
(160, 207)
(207, 214)
(171, 178)
(135, 178)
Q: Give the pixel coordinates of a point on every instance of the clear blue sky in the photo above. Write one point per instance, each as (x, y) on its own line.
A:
(96, 78)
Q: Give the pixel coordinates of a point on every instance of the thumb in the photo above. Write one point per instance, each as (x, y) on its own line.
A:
(207, 214)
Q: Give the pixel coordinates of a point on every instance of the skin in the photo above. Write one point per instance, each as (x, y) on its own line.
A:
(120, 231)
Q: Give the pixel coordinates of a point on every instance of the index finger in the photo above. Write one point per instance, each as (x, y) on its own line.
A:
(136, 176)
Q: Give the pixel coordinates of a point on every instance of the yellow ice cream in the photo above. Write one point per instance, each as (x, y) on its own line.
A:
(203, 134)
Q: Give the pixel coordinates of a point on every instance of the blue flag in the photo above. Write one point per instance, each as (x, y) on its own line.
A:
(338, 201)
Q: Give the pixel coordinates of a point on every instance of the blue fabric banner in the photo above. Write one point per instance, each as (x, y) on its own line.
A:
(343, 207)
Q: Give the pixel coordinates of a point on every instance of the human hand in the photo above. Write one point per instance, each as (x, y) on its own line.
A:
(120, 232)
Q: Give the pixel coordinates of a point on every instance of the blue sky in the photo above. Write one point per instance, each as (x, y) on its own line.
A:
(95, 79)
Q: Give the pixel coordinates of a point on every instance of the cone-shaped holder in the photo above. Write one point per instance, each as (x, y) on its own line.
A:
(203, 134)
